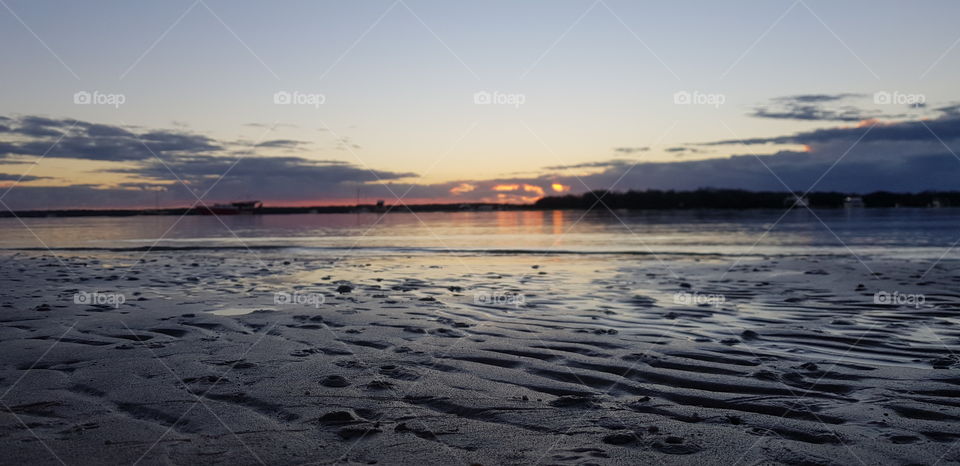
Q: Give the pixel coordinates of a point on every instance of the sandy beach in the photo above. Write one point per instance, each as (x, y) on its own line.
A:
(190, 356)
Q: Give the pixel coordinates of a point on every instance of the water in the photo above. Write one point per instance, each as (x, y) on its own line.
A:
(897, 233)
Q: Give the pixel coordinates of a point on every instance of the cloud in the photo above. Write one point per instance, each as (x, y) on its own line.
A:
(815, 113)
(630, 150)
(601, 164)
(952, 109)
(74, 139)
(894, 156)
(177, 164)
(816, 98)
(692, 150)
(945, 128)
(271, 126)
(813, 107)
(281, 143)
(258, 171)
(858, 171)
(22, 179)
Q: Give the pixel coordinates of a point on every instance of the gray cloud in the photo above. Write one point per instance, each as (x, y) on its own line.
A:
(62, 138)
(894, 156)
(946, 128)
(811, 98)
(814, 107)
(259, 171)
(858, 171)
(630, 150)
(22, 179)
(281, 143)
(184, 163)
(815, 113)
(601, 164)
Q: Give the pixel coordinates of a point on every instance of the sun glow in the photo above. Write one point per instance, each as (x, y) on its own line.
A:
(462, 188)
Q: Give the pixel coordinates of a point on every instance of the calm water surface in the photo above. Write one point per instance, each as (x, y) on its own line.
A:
(908, 233)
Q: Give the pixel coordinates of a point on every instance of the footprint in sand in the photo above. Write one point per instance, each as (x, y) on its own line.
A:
(334, 381)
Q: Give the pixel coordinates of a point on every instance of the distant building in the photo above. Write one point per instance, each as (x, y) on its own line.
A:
(853, 202)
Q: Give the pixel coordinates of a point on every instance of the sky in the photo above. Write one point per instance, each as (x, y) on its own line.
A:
(117, 104)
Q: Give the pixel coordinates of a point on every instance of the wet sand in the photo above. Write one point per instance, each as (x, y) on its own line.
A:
(476, 359)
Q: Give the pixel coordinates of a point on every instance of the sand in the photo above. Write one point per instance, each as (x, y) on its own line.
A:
(513, 359)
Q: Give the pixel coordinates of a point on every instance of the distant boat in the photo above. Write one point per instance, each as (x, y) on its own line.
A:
(234, 208)
(853, 202)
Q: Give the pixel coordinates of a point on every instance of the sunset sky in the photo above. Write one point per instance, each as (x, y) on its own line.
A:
(453, 101)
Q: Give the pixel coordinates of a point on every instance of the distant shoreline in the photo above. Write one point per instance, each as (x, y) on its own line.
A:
(702, 199)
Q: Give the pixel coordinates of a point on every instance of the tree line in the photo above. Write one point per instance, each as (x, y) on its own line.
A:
(741, 199)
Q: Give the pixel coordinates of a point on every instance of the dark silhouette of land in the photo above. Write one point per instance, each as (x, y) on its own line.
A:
(633, 200)
(740, 199)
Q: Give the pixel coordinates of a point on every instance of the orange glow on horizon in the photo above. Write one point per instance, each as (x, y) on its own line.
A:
(516, 192)
(533, 189)
(559, 188)
(462, 188)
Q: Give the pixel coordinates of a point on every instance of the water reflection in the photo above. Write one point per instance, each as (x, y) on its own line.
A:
(908, 232)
